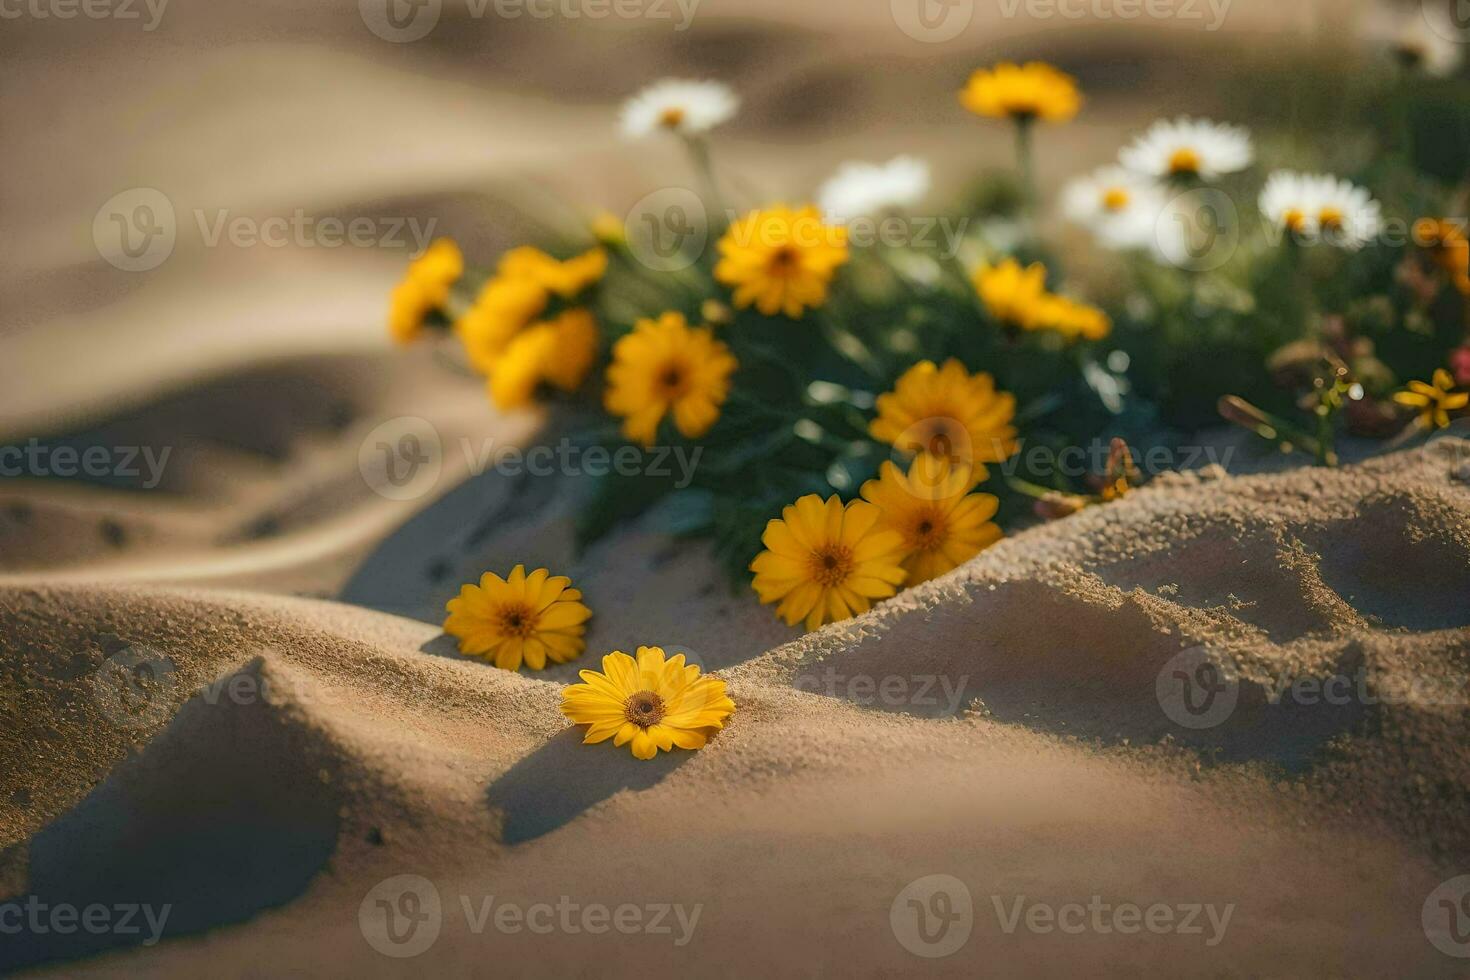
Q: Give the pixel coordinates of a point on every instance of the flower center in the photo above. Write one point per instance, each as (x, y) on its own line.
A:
(673, 380)
(644, 709)
(928, 532)
(1115, 199)
(1294, 220)
(672, 117)
(831, 564)
(943, 437)
(1184, 161)
(784, 260)
(1331, 219)
(517, 619)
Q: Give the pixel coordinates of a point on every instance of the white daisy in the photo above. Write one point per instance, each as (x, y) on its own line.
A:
(860, 190)
(1320, 207)
(1117, 205)
(1189, 147)
(679, 106)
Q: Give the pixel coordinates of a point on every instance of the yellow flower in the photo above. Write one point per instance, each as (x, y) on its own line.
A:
(566, 279)
(560, 351)
(666, 366)
(573, 350)
(522, 367)
(1035, 90)
(505, 306)
(1011, 293)
(942, 524)
(609, 229)
(1070, 318)
(1435, 401)
(424, 288)
(948, 412)
(781, 260)
(825, 562)
(532, 618)
(656, 704)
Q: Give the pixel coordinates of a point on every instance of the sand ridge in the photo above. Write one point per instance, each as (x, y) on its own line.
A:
(1055, 773)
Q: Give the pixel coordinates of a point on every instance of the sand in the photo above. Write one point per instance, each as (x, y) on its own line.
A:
(293, 734)
(344, 747)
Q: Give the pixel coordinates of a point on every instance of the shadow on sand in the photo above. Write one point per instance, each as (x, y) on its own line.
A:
(564, 778)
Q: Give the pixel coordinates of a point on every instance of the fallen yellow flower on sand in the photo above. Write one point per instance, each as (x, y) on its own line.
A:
(519, 619)
(652, 703)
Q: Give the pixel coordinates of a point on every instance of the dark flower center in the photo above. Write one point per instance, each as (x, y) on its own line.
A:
(517, 619)
(644, 709)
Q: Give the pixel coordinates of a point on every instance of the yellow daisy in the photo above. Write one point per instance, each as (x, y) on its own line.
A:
(1434, 401)
(1070, 318)
(665, 366)
(947, 412)
(781, 260)
(1011, 293)
(656, 704)
(1034, 90)
(825, 562)
(424, 288)
(532, 618)
(505, 306)
(941, 523)
(566, 279)
(517, 372)
(574, 349)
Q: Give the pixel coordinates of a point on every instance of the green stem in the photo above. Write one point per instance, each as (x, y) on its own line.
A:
(1026, 164)
(699, 154)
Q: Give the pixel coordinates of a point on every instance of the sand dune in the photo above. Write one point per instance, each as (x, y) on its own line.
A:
(305, 751)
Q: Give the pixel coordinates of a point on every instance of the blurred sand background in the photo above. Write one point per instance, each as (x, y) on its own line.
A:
(265, 370)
